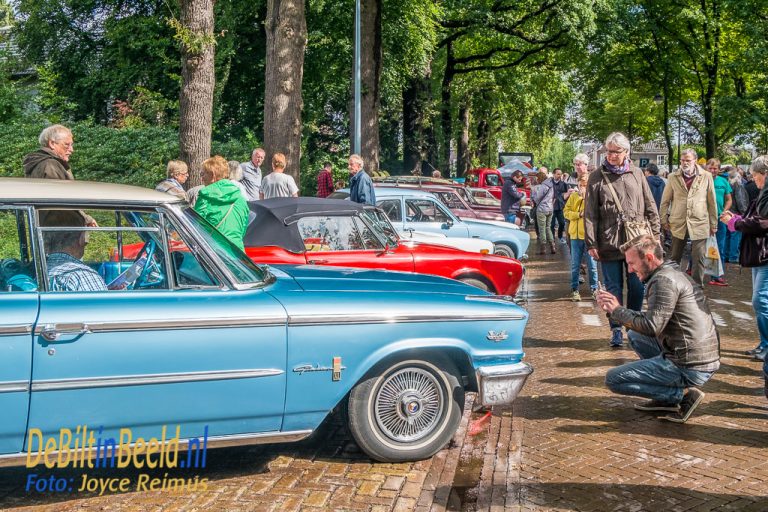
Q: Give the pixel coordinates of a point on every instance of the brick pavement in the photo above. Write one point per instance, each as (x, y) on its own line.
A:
(569, 444)
(566, 444)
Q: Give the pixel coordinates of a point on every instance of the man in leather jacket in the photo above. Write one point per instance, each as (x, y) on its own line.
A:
(676, 338)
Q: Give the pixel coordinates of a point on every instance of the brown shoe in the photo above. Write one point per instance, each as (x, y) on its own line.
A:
(552, 248)
(542, 250)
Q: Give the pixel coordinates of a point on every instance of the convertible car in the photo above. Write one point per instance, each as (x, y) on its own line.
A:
(343, 233)
(190, 340)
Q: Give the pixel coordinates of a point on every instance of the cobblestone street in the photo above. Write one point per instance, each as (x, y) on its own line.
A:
(567, 444)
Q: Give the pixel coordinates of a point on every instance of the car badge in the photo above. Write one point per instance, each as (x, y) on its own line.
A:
(335, 370)
(497, 336)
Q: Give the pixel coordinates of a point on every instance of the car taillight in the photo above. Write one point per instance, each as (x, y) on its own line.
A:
(484, 251)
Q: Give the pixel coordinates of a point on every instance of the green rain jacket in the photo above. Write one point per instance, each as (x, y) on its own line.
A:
(222, 204)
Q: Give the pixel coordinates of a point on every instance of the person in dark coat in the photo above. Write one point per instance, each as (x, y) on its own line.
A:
(360, 184)
(655, 182)
(51, 161)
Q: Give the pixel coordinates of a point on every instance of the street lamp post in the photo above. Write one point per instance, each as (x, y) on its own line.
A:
(357, 65)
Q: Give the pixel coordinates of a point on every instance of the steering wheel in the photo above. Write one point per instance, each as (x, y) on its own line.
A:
(149, 266)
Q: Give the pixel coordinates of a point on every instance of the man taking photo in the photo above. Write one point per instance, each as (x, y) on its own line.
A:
(675, 337)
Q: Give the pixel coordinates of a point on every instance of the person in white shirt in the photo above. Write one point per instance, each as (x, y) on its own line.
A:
(277, 183)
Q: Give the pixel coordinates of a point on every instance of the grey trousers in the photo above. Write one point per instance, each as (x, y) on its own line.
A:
(543, 221)
(698, 252)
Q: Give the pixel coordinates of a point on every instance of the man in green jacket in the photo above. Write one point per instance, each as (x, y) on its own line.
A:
(221, 203)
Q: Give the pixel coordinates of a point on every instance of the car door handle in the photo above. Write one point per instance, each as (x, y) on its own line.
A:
(52, 332)
(318, 262)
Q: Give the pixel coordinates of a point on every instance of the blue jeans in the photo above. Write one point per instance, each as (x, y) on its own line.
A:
(732, 241)
(511, 217)
(559, 218)
(613, 275)
(722, 229)
(760, 302)
(579, 251)
(652, 376)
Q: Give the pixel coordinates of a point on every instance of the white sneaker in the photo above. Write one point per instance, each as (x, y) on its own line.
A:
(575, 296)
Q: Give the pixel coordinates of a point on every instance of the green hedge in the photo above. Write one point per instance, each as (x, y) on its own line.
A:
(135, 156)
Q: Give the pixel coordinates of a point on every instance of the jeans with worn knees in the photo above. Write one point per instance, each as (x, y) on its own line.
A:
(579, 252)
(614, 273)
(760, 301)
(652, 376)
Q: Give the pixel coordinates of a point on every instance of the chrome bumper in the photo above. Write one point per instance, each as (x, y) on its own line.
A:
(499, 385)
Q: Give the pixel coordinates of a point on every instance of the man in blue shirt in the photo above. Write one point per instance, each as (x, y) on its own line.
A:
(723, 193)
(360, 184)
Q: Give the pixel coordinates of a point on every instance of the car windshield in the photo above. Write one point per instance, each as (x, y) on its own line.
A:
(380, 224)
(234, 259)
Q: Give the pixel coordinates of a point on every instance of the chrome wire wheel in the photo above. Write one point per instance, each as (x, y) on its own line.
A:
(409, 404)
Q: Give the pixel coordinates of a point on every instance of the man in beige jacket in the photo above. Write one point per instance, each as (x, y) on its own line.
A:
(689, 210)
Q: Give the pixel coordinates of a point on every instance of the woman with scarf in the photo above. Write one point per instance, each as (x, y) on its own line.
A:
(604, 221)
(754, 253)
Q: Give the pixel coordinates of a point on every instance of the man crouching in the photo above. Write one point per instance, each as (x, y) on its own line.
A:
(676, 338)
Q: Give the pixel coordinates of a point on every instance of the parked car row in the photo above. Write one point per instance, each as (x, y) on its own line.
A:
(165, 323)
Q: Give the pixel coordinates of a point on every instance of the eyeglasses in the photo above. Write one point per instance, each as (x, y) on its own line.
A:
(67, 145)
(615, 151)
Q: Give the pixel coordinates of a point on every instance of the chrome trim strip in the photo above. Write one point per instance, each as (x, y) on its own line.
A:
(13, 330)
(176, 323)
(304, 320)
(149, 379)
(19, 459)
(13, 386)
(491, 298)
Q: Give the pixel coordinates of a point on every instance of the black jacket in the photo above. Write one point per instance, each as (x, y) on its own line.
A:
(753, 251)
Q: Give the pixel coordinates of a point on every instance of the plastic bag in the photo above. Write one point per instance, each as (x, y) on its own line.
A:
(713, 265)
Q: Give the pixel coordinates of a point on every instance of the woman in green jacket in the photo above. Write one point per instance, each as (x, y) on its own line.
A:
(221, 203)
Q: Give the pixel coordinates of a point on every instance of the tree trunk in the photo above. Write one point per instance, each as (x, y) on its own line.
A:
(286, 30)
(197, 84)
(370, 76)
(667, 135)
(445, 108)
(464, 161)
(416, 103)
(483, 139)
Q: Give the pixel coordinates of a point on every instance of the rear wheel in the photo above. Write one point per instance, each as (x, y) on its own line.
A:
(503, 250)
(408, 411)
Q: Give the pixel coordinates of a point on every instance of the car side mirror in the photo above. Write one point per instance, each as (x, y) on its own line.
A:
(447, 224)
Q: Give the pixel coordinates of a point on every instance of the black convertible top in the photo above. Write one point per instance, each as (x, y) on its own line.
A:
(273, 221)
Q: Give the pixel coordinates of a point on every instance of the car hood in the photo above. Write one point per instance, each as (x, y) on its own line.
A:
(315, 278)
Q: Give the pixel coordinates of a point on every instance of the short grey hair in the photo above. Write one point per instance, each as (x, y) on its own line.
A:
(235, 172)
(759, 165)
(581, 157)
(258, 150)
(690, 151)
(53, 133)
(176, 168)
(618, 139)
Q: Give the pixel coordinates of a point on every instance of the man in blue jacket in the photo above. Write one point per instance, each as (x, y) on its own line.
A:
(360, 184)
(655, 182)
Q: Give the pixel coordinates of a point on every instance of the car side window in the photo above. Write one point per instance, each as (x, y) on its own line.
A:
(370, 241)
(492, 180)
(424, 210)
(330, 234)
(188, 270)
(449, 199)
(17, 266)
(102, 249)
(391, 208)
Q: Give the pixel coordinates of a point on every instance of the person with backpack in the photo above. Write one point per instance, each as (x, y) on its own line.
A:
(543, 196)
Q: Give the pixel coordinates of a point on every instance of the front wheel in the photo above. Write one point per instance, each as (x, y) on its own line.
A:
(406, 412)
(503, 250)
(476, 283)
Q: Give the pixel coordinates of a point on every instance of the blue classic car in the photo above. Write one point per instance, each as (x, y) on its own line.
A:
(422, 211)
(191, 339)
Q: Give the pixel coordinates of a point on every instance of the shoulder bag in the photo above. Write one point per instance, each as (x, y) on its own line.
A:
(632, 228)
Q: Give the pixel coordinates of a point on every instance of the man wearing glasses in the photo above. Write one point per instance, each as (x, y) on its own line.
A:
(689, 210)
(51, 161)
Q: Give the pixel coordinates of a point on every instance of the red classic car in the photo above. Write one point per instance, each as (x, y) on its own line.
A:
(485, 178)
(309, 230)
